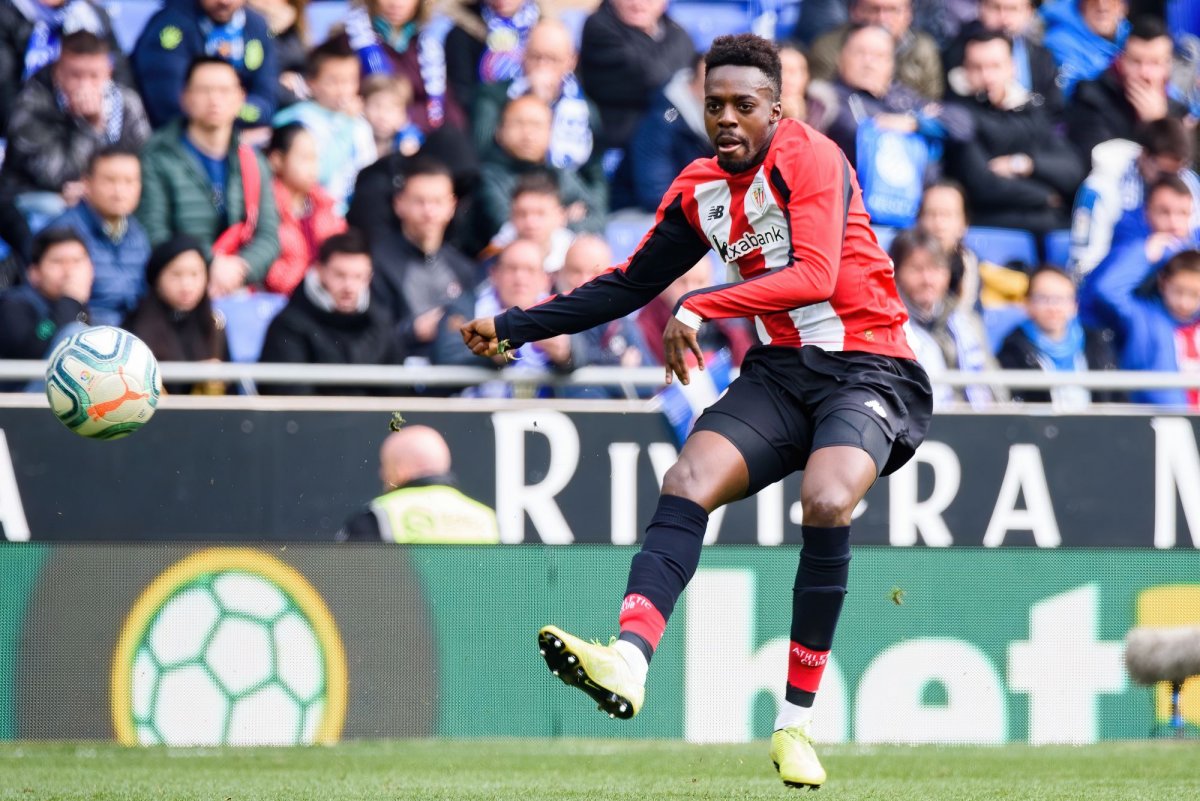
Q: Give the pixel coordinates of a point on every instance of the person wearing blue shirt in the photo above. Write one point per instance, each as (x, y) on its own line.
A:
(1085, 36)
(224, 29)
(115, 240)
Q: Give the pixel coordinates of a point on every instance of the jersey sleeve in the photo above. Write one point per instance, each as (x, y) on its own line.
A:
(671, 248)
(815, 188)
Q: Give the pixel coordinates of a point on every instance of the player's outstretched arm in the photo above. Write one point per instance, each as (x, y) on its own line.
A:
(480, 336)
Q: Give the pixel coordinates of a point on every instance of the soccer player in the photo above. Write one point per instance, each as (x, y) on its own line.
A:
(833, 390)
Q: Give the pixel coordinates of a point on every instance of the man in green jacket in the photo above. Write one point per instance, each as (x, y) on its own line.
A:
(192, 181)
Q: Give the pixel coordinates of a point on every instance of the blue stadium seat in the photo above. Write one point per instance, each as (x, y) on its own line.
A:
(1002, 245)
(129, 17)
(1058, 247)
(999, 322)
(885, 234)
(625, 232)
(706, 21)
(247, 316)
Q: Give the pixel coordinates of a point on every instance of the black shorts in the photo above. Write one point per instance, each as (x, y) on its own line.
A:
(789, 402)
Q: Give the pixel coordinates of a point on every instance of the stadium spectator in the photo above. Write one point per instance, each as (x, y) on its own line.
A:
(521, 147)
(345, 142)
(17, 239)
(803, 98)
(516, 279)
(1036, 70)
(421, 502)
(197, 180)
(417, 272)
(307, 216)
(64, 114)
(1017, 171)
(176, 318)
(31, 34)
(289, 27)
(1110, 205)
(538, 216)
(866, 87)
(629, 50)
(1130, 93)
(548, 73)
(487, 44)
(1054, 340)
(918, 64)
(117, 244)
(385, 101)
(974, 282)
(670, 137)
(619, 342)
(945, 335)
(392, 37)
(1084, 36)
(716, 335)
(185, 30)
(332, 318)
(54, 300)
(1154, 308)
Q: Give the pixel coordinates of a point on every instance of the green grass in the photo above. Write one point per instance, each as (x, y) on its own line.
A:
(531, 770)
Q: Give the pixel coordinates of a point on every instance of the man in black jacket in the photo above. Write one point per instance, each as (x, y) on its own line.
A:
(1018, 172)
(416, 272)
(630, 49)
(34, 315)
(331, 318)
(1131, 92)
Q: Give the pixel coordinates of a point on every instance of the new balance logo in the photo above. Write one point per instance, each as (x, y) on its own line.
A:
(716, 212)
(876, 407)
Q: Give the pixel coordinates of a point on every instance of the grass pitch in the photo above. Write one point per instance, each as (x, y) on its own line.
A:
(573, 770)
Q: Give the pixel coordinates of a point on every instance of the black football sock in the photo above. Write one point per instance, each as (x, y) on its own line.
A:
(816, 604)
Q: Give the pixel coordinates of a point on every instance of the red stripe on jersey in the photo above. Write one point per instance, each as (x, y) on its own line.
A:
(805, 667)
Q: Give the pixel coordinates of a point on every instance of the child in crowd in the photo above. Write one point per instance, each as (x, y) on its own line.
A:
(385, 105)
(537, 215)
(345, 143)
(176, 318)
(306, 212)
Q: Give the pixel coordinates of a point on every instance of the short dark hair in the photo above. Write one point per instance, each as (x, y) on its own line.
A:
(747, 50)
(1049, 269)
(322, 54)
(283, 137)
(537, 182)
(908, 242)
(205, 61)
(1147, 27)
(52, 237)
(419, 166)
(116, 151)
(85, 43)
(1172, 183)
(1165, 137)
(944, 183)
(1186, 261)
(981, 35)
(351, 242)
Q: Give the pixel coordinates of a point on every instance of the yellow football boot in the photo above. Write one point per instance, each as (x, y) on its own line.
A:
(794, 758)
(598, 670)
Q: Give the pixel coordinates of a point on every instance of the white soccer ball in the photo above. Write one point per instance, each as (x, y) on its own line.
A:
(228, 660)
(103, 382)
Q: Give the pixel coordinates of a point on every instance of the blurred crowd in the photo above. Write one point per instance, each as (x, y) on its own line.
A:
(236, 185)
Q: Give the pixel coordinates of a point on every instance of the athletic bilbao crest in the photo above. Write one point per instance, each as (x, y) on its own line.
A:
(758, 196)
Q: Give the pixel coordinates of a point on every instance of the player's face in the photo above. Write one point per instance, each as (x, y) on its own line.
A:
(183, 282)
(924, 279)
(345, 277)
(740, 115)
(1051, 303)
(1169, 212)
(1181, 295)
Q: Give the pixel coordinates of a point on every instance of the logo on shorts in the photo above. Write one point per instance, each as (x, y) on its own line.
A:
(876, 407)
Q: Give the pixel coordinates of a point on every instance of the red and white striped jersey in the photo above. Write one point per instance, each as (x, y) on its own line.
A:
(803, 262)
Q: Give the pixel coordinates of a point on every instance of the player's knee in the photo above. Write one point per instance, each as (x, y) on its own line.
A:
(826, 506)
(682, 480)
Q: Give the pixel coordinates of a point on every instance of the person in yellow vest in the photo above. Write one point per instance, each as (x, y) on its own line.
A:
(420, 503)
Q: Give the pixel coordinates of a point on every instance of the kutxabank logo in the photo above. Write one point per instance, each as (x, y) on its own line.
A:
(229, 646)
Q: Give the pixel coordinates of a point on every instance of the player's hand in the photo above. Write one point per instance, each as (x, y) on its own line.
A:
(678, 340)
(480, 336)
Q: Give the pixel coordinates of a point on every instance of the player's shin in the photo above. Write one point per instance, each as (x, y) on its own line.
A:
(817, 599)
(658, 575)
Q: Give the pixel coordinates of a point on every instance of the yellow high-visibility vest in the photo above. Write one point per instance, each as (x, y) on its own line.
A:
(434, 514)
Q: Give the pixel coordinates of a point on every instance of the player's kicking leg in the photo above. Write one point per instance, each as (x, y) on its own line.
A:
(710, 472)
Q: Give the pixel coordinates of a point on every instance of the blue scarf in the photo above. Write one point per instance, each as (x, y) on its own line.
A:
(226, 42)
(505, 42)
(366, 36)
(49, 25)
(571, 129)
(1064, 355)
